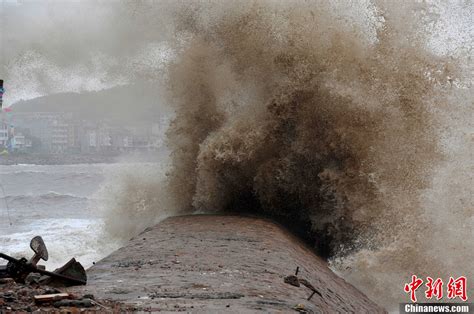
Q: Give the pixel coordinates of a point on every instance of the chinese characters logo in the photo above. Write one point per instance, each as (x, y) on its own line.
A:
(434, 288)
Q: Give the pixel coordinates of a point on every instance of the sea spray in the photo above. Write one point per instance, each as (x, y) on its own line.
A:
(134, 198)
(347, 128)
(349, 122)
(292, 112)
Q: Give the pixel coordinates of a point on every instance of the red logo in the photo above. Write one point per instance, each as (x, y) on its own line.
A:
(455, 288)
(411, 287)
(435, 288)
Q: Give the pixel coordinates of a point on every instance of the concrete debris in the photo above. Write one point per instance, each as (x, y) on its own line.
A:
(50, 297)
(74, 303)
(21, 298)
(4, 281)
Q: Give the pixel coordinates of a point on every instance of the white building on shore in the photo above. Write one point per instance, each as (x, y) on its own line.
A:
(4, 131)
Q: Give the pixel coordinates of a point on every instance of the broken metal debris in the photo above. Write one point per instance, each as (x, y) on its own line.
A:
(72, 269)
(292, 280)
(33, 278)
(295, 281)
(27, 271)
(38, 246)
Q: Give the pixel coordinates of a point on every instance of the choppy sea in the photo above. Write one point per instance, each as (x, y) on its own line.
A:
(61, 203)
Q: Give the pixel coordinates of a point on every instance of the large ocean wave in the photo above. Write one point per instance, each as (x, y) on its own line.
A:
(343, 127)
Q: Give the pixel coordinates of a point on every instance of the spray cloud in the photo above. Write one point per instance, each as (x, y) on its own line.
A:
(333, 127)
(349, 123)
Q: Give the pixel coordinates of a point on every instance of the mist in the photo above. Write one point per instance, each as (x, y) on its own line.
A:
(351, 124)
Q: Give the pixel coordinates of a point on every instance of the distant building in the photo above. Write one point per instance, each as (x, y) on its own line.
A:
(59, 136)
(104, 138)
(18, 142)
(59, 133)
(4, 131)
(88, 140)
(50, 128)
(121, 139)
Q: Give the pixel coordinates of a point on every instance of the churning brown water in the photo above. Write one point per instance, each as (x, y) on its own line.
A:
(350, 130)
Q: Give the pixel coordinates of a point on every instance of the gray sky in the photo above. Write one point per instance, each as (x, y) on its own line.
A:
(58, 46)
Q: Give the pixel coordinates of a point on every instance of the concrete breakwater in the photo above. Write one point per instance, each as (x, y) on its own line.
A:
(221, 263)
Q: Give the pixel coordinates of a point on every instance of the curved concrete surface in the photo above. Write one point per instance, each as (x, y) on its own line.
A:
(206, 263)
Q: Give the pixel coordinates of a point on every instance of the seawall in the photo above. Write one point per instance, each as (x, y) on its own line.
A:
(221, 263)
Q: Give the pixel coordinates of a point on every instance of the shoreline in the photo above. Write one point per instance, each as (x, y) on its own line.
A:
(71, 159)
(9, 160)
(206, 263)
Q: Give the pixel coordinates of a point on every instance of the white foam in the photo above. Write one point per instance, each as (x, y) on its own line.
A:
(64, 238)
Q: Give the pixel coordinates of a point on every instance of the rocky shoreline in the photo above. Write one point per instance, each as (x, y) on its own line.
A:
(20, 298)
(40, 159)
(71, 159)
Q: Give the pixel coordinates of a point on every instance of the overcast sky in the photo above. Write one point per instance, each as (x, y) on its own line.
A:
(58, 46)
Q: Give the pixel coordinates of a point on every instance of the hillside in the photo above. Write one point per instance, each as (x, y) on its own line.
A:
(131, 104)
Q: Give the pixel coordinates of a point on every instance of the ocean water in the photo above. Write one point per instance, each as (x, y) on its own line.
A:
(62, 203)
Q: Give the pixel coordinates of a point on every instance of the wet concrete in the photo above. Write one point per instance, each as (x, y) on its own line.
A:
(221, 263)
